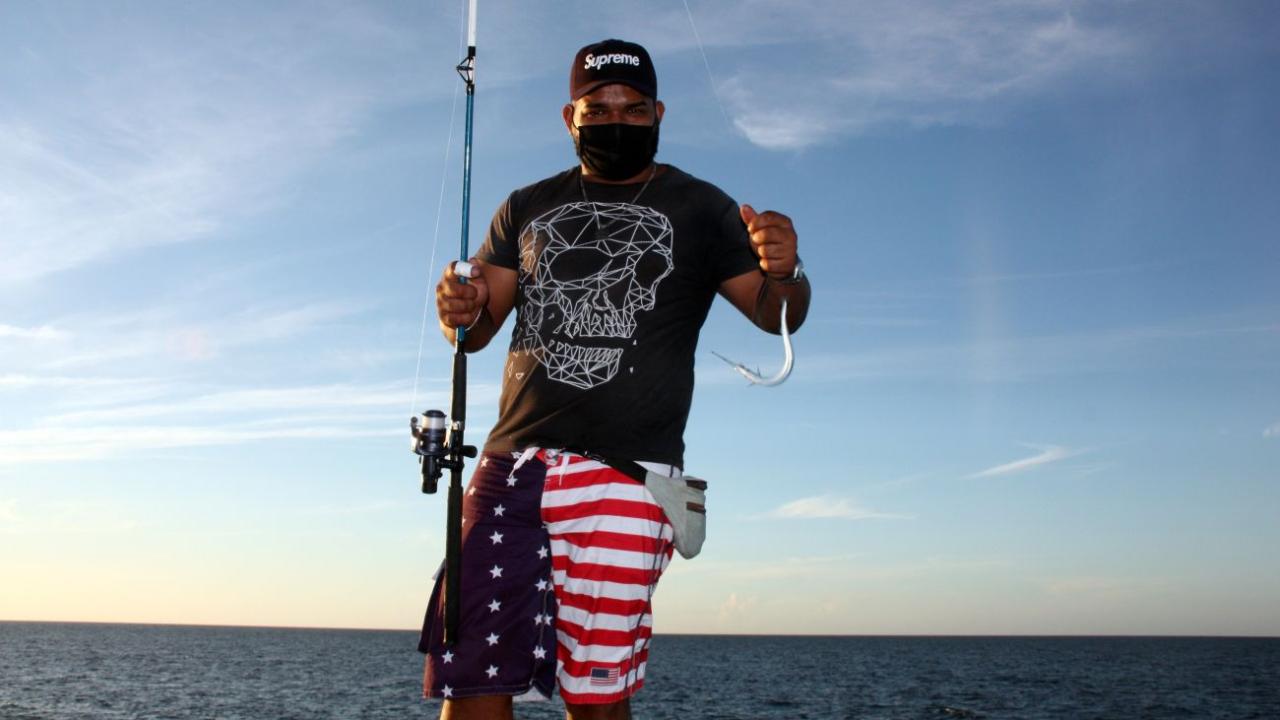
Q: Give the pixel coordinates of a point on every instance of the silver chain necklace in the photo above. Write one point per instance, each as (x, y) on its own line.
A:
(583, 186)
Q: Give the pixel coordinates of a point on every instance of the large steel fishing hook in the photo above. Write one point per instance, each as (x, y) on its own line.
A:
(753, 376)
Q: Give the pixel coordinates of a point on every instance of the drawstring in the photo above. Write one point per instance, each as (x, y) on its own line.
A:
(524, 457)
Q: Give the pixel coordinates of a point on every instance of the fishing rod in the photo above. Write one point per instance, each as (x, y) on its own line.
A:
(437, 450)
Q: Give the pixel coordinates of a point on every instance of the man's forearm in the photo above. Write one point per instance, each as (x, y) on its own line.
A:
(768, 309)
(478, 334)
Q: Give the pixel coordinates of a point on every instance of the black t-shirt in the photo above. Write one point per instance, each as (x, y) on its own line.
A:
(612, 294)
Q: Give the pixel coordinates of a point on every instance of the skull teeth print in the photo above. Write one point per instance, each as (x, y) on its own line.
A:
(582, 367)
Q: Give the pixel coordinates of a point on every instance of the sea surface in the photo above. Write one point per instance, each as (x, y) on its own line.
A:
(88, 671)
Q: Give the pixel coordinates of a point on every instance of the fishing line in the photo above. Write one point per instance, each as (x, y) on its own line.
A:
(753, 376)
(435, 236)
(710, 78)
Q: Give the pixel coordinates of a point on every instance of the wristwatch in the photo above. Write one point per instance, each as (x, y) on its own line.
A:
(796, 276)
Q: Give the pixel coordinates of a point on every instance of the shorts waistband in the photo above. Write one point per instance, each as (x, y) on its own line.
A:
(552, 455)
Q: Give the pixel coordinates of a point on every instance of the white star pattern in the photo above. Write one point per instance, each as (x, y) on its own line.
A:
(546, 619)
(511, 481)
(542, 553)
(496, 572)
(447, 656)
(495, 606)
(542, 584)
(540, 653)
(491, 671)
(492, 639)
(446, 691)
(496, 537)
(537, 619)
(499, 510)
(484, 462)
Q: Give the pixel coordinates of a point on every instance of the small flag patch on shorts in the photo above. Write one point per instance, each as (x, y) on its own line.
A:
(604, 676)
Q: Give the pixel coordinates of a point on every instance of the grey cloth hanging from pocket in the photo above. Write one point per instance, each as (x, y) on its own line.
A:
(683, 500)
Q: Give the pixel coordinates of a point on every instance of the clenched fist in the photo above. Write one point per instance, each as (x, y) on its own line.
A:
(773, 239)
(459, 303)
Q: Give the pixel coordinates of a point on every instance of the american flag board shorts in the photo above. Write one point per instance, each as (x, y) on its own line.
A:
(560, 558)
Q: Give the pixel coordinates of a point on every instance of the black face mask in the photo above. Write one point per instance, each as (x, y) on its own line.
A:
(616, 151)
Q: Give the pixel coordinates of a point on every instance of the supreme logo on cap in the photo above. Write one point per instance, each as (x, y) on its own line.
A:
(598, 61)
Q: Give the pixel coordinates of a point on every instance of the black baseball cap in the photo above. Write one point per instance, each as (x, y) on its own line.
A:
(612, 61)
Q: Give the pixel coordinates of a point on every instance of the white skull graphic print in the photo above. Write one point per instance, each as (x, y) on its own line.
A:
(587, 270)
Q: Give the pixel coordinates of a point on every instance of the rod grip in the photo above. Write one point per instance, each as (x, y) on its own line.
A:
(453, 560)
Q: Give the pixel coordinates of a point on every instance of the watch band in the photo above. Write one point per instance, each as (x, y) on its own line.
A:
(797, 275)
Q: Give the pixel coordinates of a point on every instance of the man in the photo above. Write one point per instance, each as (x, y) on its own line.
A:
(611, 268)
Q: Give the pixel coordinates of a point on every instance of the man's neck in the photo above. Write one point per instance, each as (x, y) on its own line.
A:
(652, 170)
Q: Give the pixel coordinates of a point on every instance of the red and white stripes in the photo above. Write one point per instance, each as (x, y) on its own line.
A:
(610, 542)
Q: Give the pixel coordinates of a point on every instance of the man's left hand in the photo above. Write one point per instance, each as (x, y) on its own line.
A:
(773, 239)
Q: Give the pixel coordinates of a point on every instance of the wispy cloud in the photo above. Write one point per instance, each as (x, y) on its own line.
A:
(1272, 431)
(122, 145)
(188, 333)
(22, 381)
(917, 63)
(825, 506)
(126, 418)
(42, 332)
(792, 74)
(18, 447)
(1048, 454)
(248, 402)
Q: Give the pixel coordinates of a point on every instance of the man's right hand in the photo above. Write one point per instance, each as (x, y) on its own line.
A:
(457, 303)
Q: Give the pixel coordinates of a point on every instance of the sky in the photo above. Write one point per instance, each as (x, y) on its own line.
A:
(1038, 391)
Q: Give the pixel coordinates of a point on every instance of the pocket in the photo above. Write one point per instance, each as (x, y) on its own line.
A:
(684, 501)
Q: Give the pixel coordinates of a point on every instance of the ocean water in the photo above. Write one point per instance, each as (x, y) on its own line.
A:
(88, 671)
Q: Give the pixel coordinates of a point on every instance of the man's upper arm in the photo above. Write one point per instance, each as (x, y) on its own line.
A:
(501, 256)
(742, 291)
(502, 292)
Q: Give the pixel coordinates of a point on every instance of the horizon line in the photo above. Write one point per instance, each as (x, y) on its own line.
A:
(672, 634)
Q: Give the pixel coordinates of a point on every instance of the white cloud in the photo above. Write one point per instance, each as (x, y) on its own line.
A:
(126, 418)
(1272, 431)
(34, 445)
(824, 506)
(43, 332)
(917, 63)
(189, 333)
(21, 381)
(145, 129)
(1048, 454)
(389, 396)
(735, 608)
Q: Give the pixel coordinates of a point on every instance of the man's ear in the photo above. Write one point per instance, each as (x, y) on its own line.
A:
(567, 114)
(659, 108)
